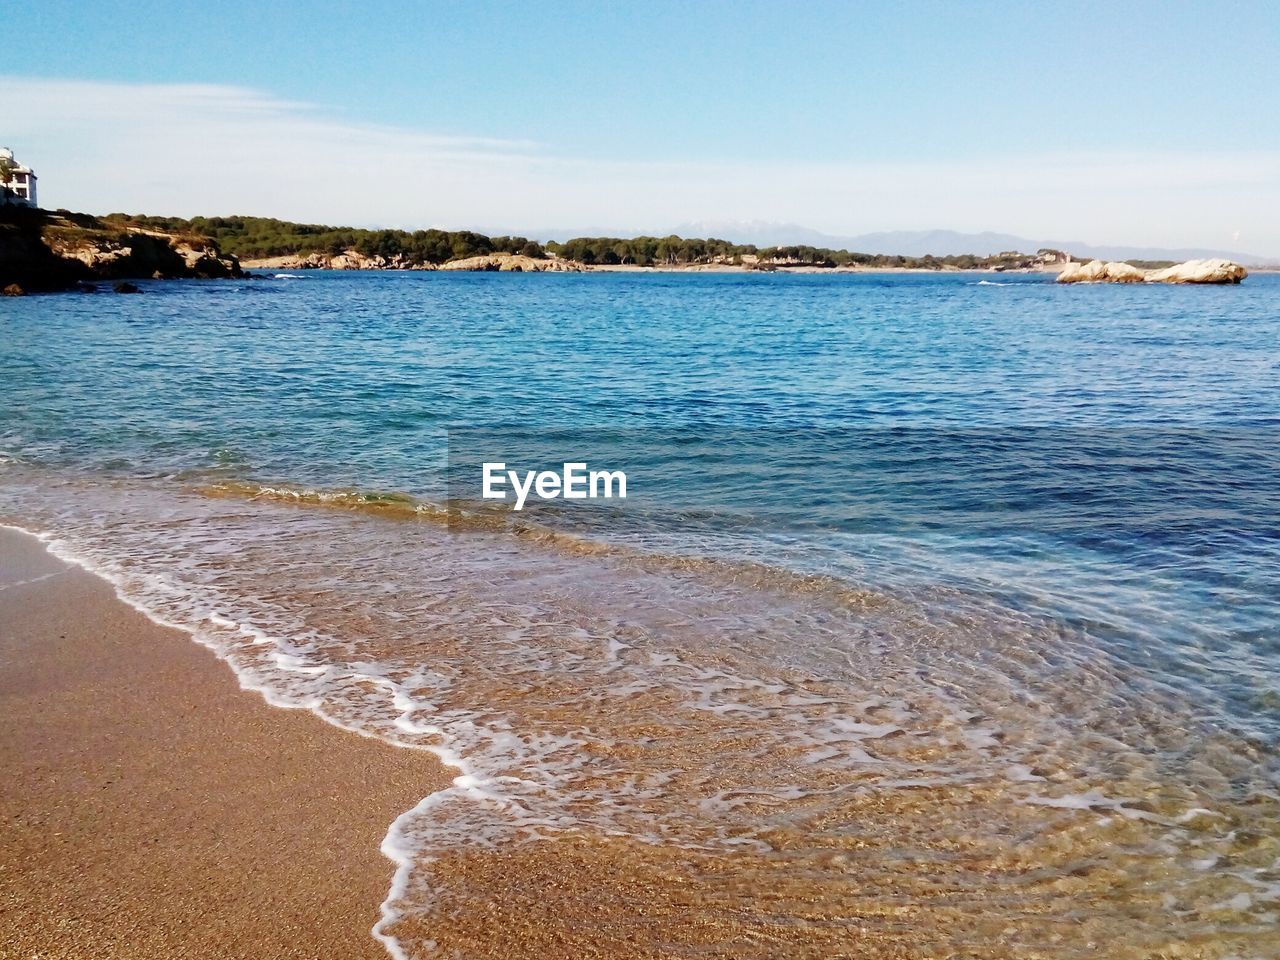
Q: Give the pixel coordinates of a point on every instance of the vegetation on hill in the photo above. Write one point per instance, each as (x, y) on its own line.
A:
(680, 251)
(259, 237)
(1151, 264)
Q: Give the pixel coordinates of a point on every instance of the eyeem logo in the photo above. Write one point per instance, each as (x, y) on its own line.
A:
(574, 482)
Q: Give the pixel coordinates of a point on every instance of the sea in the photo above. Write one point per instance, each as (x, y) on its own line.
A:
(941, 617)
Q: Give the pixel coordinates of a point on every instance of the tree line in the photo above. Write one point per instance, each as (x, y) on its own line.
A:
(257, 237)
(683, 251)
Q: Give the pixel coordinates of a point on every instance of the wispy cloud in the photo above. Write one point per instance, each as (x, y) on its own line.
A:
(198, 148)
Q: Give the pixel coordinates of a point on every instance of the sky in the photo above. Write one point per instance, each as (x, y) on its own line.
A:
(1139, 123)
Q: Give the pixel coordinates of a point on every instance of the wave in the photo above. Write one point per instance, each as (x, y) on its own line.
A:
(700, 726)
(476, 517)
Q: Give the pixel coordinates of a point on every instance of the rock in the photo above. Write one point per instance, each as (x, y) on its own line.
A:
(310, 261)
(207, 262)
(482, 263)
(1200, 271)
(124, 286)
(1095, 271)
(14, 290)
(1120, 272)
(85, 287)
(210, 268)
(513, 263)
(1193, 271)
(354, 260)
(347, 260)
(1077, 272)
(53, 251)
(25, 260)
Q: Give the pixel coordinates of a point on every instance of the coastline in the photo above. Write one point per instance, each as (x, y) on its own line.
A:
(806, 268)
(154, 808)
(1048, 270)
(292, 263)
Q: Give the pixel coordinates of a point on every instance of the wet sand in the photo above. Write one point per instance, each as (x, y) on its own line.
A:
(151, 808)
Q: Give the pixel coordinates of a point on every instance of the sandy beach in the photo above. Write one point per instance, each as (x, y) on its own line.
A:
(151, 808)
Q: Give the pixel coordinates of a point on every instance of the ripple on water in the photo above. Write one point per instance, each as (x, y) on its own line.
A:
(675, 757)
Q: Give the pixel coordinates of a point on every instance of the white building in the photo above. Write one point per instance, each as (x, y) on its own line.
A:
(17, 183)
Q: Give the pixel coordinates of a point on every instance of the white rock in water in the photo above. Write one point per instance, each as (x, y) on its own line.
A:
(1200, 271)
(1193, 271)
(1076, 272)
(1120, 272)
(1095, 271)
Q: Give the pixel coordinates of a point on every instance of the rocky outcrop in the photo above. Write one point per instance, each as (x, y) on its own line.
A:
(26, 262)
(1193, 271)
(347, 260)
(1200, 271)
(55, 251)
(513, 263)
(207, 262)
(139, 255)
(1095, 271)
(352, 260)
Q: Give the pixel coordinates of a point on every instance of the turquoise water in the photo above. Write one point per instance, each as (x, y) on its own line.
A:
(1010, 539)
(351, 377)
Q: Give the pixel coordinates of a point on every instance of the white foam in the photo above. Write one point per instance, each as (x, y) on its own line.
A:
(559, 695)
(1092, 800)
(400, 853)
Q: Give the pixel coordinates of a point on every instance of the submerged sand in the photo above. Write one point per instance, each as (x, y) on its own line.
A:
(151, 808)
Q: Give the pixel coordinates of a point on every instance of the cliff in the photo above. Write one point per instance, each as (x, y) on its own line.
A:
(40, 250)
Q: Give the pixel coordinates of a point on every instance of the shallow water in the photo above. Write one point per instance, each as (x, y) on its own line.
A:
(940, 617)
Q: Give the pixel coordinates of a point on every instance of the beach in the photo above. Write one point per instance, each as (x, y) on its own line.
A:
(615, 507)
(152, 808)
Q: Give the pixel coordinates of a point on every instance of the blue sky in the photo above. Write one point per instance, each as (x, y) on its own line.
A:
(686, 112)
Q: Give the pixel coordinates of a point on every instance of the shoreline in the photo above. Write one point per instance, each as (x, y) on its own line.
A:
(154, 807)
(291, 263)
(805, 268)
(272, 264)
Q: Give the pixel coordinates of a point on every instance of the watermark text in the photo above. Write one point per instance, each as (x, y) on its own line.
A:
(573, 482)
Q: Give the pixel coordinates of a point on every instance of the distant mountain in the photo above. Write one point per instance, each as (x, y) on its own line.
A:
(764, 233)
(561, 234)
(1084, 250)
(941, 243)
